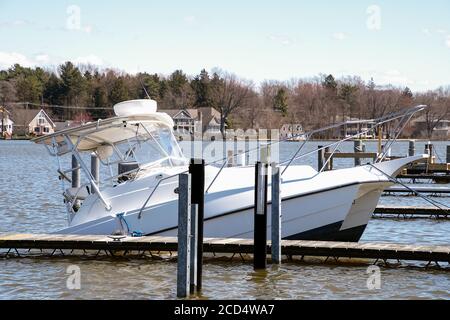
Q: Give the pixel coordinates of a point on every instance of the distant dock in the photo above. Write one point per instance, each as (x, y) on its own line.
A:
(411, 212)
(431, 191)
(23, 244)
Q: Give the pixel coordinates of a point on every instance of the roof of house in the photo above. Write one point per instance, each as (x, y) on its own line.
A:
(7, 118)
(7, 121)
(24, 116)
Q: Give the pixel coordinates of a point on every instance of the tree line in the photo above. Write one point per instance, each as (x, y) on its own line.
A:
(313, 102)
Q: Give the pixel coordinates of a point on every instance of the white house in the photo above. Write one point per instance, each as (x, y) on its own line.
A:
(353, 126)
(292, 131)
(6, 124)
(33, 122)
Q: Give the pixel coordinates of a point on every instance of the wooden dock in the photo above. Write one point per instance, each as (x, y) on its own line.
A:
(437, 178)
(69, 244)
(411, 212)
(433, 191)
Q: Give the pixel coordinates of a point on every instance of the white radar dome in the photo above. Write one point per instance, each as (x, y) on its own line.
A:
(135, 107)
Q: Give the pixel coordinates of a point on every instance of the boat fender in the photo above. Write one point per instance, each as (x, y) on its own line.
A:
(137, 234)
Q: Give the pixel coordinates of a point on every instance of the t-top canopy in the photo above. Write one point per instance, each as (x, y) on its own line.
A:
(110, 131)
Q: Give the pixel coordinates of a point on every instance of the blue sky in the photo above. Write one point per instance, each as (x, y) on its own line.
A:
(399, 42)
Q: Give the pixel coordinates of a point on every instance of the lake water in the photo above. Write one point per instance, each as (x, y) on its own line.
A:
(30, 201)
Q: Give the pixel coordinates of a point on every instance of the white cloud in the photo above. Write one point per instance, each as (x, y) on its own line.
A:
(282, 39)
(7, 59)
(19, 23)
(441, 31)
(90, 59)
(42, 58)
(394, 77)
(87, 29)
(190, 19)
(340, 36)
(447, 41)
(426, 32)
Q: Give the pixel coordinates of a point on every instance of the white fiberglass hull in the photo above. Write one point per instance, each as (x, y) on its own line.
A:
(335, 205)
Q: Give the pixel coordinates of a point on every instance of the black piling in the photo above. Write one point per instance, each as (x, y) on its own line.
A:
(260, 217)
(76, 182)
(197, 170)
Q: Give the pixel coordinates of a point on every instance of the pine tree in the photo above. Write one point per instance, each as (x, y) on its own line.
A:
(280, 101)
(202, 90)
(330, 84)
(407, 93)
(119, 91)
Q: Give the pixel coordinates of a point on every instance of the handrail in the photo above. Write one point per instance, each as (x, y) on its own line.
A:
(379, 122)
(217, 175)
(154, 190)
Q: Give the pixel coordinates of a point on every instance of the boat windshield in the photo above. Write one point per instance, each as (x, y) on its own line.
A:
(155, 147)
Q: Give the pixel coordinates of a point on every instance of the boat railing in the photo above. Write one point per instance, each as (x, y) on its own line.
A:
(141, 210)
(404, 116)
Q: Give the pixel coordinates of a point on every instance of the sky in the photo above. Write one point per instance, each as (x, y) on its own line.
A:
(403, 43)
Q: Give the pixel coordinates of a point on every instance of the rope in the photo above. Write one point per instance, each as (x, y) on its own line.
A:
(122, 218)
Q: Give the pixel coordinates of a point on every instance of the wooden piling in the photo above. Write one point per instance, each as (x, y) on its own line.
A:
(240, 158)
(230, 157)
(358, 148)
(380, 139)
(260, 217)
(320, 157)
(448, 154)
(276, 214)
(429, 151)
(184, 233)
(412, 148)
(329, 165)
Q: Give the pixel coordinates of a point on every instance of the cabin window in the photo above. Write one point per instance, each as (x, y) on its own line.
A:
(46, 130)
(37, 129)
(41, 120)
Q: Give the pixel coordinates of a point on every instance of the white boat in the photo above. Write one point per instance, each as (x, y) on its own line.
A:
(144, 160)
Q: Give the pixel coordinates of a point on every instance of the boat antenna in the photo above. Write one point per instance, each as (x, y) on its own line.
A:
(143, 87)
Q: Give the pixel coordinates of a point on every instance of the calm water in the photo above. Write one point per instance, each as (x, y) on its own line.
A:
(30, 202)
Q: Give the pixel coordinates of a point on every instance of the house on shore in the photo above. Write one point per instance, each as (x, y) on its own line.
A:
(441, 129)
(33, 122)
(353, 126)
(291, 131)
(205, 121)
(6, 124)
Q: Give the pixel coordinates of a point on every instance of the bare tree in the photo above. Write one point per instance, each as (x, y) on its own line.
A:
(230, 93)
(438, 103)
